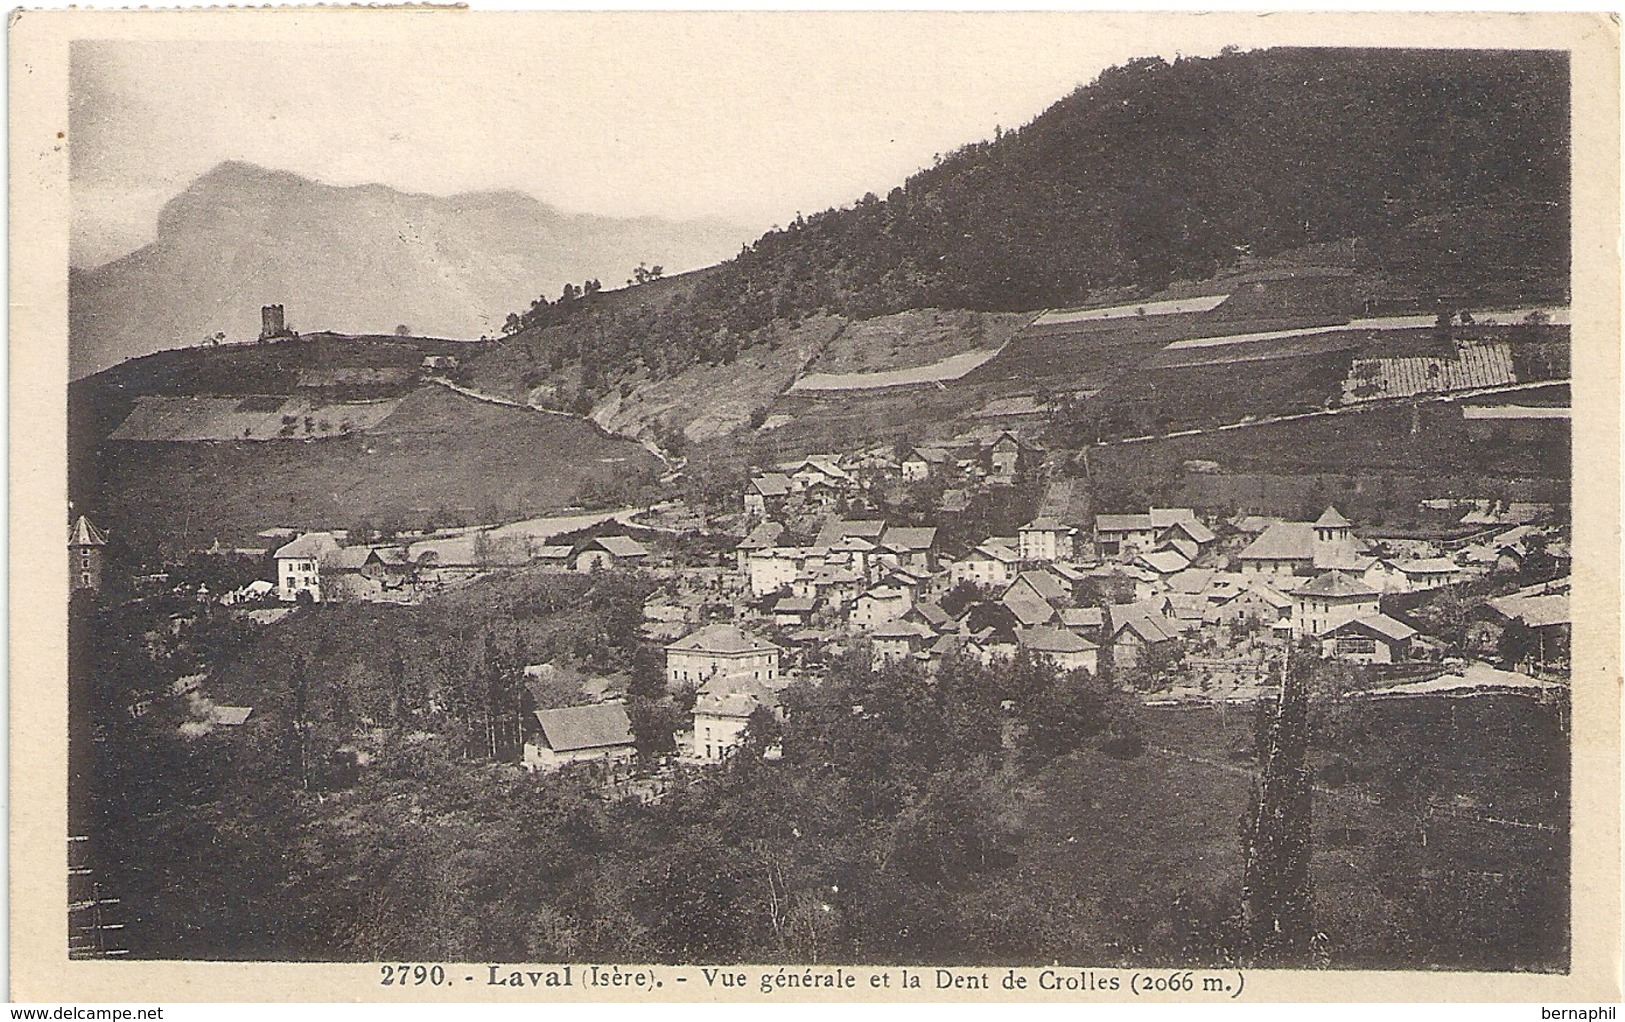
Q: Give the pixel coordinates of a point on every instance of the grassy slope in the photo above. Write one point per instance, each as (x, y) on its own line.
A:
(1100, 848)
(439, 452)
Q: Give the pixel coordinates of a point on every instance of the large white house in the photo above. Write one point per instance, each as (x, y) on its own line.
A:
(722, 708)
(992, 564)
(1045, 539)
(720, 651)
(1330, 600)
(299, 565)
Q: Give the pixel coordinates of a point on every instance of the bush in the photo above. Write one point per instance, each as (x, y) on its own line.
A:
(1123, 746)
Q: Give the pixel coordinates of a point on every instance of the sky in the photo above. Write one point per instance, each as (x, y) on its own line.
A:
(750, 118)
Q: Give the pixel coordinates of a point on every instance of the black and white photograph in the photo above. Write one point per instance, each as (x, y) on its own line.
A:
(963, 495)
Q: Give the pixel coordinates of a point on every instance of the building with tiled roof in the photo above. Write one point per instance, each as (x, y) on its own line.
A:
(1137, 627)
(605, 552)
(573, 734)
(990, 564)
(1330, 599)
(723, 708)
(298, 566)
(720, 651)
(1067, 649)
(1369, 639)
(1046, 539)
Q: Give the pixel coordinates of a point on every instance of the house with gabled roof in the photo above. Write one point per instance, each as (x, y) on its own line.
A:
(298, 566)
(1183, 526)
(604, 552)
(1544, 609)
(912, 546)
(774, 568)
(1046, 584)
(1028, 607)
(817, 471)
(763, 537)
(1086, 621)
(1137, 628)
(836, 529)
(1165, 563)
(1069, 650)
(1123, 537)
(765, 493)
(899, 640)
(878, 606)
(1420, 573)
(793, 611)
(992, 564)
(599, 732)
(1368, 639)
(921, 463)
(1254, 601)
(1010, 457)
(930, 614)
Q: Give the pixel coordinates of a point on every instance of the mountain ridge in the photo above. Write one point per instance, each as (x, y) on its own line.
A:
(357, 259)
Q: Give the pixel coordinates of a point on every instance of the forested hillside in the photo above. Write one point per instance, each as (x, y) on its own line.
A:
(1446, 170)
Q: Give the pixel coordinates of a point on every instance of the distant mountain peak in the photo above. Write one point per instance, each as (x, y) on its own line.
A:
(356, 259)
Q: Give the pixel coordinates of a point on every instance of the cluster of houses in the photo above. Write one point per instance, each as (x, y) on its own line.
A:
(813, 577)
(733, 674)
(821, 481)
(316, 566)
(1141, 583)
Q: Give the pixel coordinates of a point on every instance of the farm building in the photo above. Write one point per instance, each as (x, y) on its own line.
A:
(1369, 639)
(600, 733)
(607, 552)
(1069, 650)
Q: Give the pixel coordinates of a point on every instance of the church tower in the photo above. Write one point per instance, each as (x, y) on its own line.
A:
(85, 546)
(1333, 534)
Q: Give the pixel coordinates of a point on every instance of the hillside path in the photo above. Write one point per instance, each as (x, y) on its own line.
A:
(506, 402)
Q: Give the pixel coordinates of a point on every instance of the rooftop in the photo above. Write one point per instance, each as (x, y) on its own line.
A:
(1337, 583)
(1331, 518)
(85, 534)
(1050, 639)
(311, 544)
(722, 638)
(585, 727)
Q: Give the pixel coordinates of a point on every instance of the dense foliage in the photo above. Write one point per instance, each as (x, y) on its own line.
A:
(1014, 815)
(1451, 166)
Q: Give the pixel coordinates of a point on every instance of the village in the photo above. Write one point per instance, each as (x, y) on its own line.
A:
(882, 552)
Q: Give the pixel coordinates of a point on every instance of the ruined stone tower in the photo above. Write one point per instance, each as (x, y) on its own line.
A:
(271, 322)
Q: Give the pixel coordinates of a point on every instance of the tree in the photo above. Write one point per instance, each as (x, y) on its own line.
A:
(655, 723)
(644, 274)
(1518, 644)
(1062, 715)
(402, 330)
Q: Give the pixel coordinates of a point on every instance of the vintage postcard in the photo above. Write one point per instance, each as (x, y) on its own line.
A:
(805, 506)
